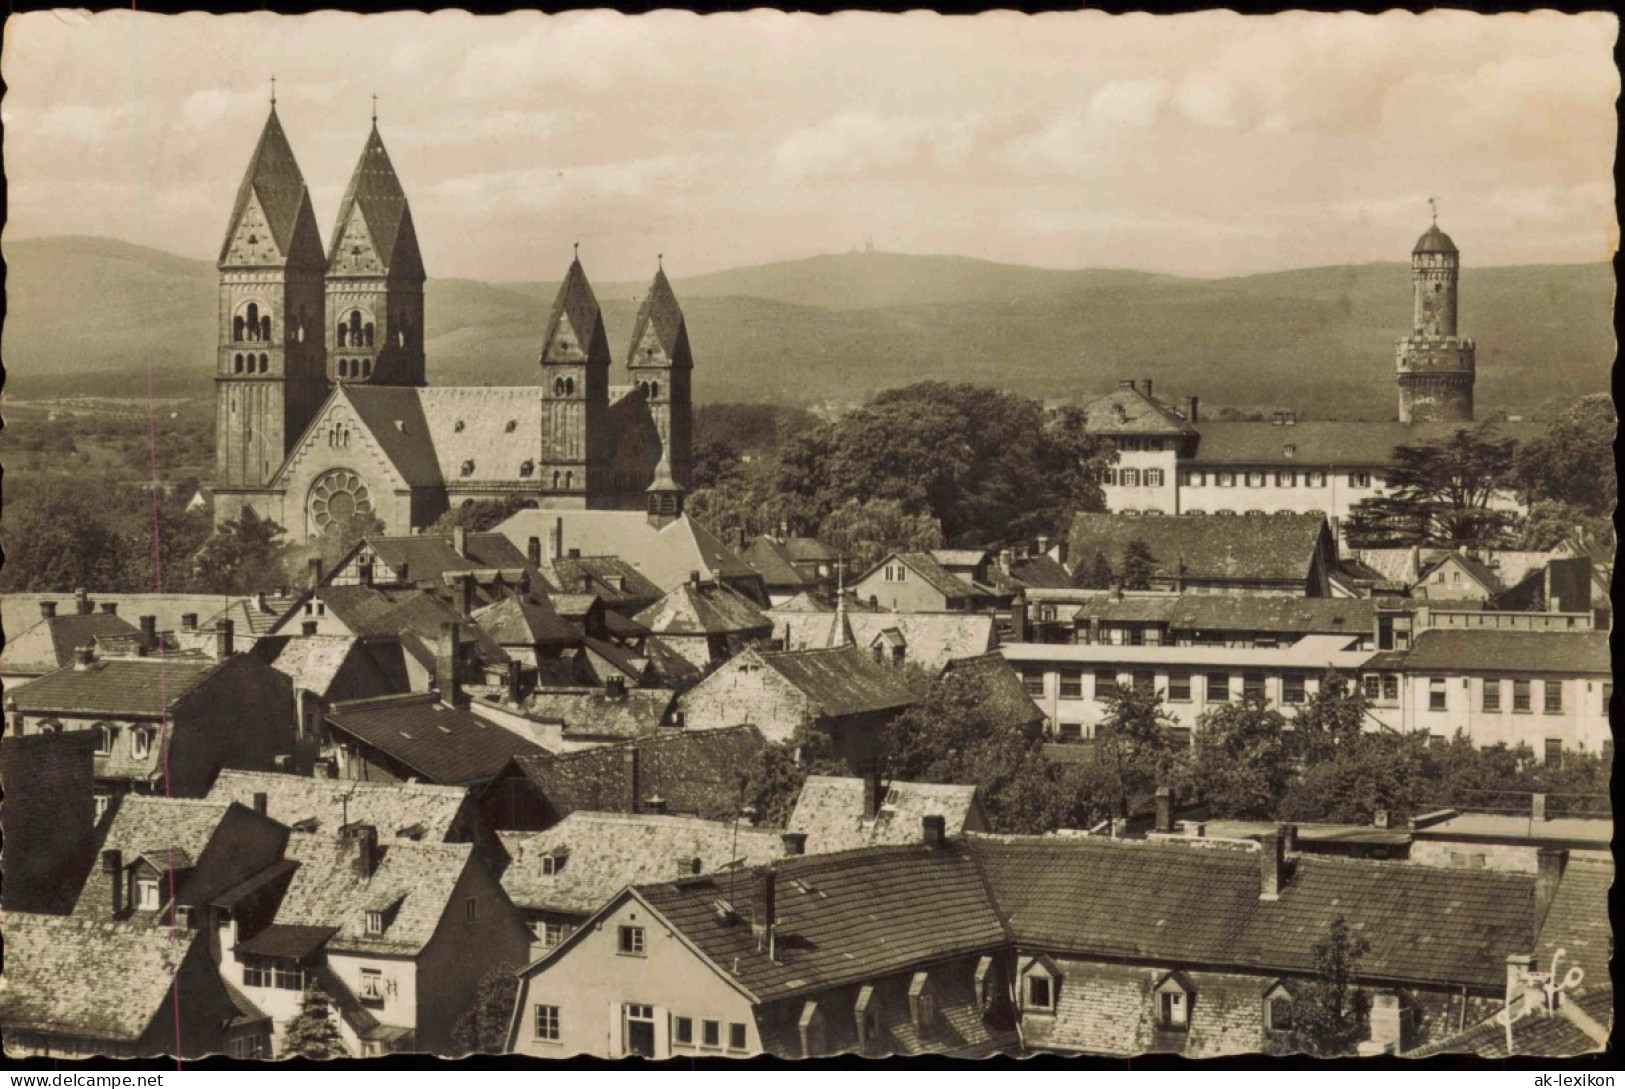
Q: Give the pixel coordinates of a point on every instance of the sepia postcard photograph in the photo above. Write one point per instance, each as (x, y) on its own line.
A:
(764, 536)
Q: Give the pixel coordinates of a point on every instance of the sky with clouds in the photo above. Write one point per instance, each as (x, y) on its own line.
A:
(1206, 144)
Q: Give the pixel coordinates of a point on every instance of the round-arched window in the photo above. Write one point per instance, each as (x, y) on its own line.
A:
(337, 495)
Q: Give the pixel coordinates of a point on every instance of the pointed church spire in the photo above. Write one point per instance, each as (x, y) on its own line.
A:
(375, 218)
(272, 208)
(575, 328)
(660, 333)
(840, 634)
(665, 495)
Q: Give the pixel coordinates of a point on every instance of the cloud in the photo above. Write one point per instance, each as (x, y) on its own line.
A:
(860, 142)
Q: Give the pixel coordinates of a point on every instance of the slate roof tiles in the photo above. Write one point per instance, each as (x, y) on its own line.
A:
(1478, 650)
(1272, 547)
(420, 811)
(443, 744)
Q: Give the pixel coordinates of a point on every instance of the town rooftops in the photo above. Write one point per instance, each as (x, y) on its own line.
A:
(1583, 833)
(517, 621)
(1129, 410)
(930, 640)
(383, 613)
(1310, 653)
(429, 556)
(50, 642)
(600, 715)
(694, 771)
(1480, 572)
(935, 575)
(1321, 444)
(93, 979)
(410, 883)
(118, 687)
(841, 918)
(1262, 548)
(705, 608)
(311, 662)
(174, 829)
(1578, 924)
(416, 811)
(1569, 1031)
(830, 812)
(1491, 650)
(773, 561)
(596, 855)
(1002, 694)
(441, 743)
(665, 554)
(1211, 612)
(840, 680)
(19, 612)
(1089, 896)
(610, 577)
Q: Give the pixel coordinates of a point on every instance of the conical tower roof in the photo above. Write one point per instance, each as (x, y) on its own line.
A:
(575, 329)
(1434, 240)
(274, 181)
(660, 335)
(375, 191)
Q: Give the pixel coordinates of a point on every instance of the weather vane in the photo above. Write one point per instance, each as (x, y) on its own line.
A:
(1433, 203)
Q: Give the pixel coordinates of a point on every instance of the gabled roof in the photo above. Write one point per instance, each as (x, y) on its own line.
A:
(1034, 572)
(328, 891)
(525, 622)
(1271, 547)
(666, 555)
(443, 744)
(1000, 691)
(925, 565)
(660, 335)
(393, 415)
(930, 640)
(416, 811)
(50, 644)
(1479, 572)
(149, 825)
(809, 550)
(1540, 1034)
(610, 578)
(376, 192)
(1126, 411)
(19, 612)
(840, 681)
(78, 977)
(597, 714)
(373, 612)
(491, 431)
(842, 918)
(1487, 650)
(1577, 923)
(695, 771)
(706, 608)
(830, 812)
(1096, 897)
(1235, 613)
(575, 328)
(312, 662)
(604, 853)
(772, 560)
(144, 687)
(274, 180)
(1322, 444)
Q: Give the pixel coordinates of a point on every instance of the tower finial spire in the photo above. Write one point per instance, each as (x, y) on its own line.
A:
(576, 246)
(660, 261)
(374, 111)
(273, 90)
(1433, 203)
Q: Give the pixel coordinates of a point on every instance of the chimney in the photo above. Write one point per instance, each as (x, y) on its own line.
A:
(445, 664)
(1145, 384)
(555, 544)
(574, 553)
(872, 795)
(262, 802)
(629, 761)
(513, 682)
(403, 572)
(765, 913)
(149, 633)
(1165, 809)
(259, 602)
(1549, 865)
(795, 843)
(1043, 545)
(533, 551)
(1379, 818)
(1005, 558)
(81, 602)
(365, 837)
(1271, 865)
(314, 567)
(223, 645)
(459, 541)
(465, 595)
(189, 622)
(1192, 405)
(84, 657)
(15, 719)
(113, 867)
(1537, 808)
(934, 830)
(615, 687)
(308, 627)
(690, 867)
(1289, 839)
(1018, 617)
(654, 803)
(47, 609)
(110, 608)
(693, 578)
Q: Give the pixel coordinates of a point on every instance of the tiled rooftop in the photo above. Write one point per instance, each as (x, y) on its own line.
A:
(443, 744)
(417, 811)
(830, 812)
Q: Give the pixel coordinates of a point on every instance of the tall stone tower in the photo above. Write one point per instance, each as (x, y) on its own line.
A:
(1436, 367)
(270, 376)
(375, 279)
(575, 393)
(661, 366)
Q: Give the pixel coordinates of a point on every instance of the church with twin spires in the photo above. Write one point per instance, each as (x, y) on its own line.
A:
(323, 407)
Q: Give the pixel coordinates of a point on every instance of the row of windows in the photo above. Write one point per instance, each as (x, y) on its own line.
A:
(682, 1034)
(1134, 478)
(1255, 478)
(355, 368)
(1522, 695)
(547, 1025)
(1138, 445)
(268, 972)
(250, 363)
(1216, 684)
(1173, 1000)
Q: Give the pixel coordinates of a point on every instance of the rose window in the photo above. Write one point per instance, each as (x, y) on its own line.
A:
(337, 496)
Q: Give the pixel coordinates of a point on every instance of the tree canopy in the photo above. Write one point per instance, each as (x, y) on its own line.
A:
(1330, 1011)
(1443, 493)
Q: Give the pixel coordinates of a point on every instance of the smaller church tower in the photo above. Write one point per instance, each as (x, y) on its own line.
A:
(270, 367)
(375, 279)
(661, 366)
(575, 365)
(1435, 366)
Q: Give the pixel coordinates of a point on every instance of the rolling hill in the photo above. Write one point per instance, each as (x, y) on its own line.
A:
(91, 315)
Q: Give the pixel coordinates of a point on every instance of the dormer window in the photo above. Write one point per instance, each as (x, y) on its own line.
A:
(1173, 996)
(922, 1001)
(375, 923)
(1278, 1007)
(146, 893)
(1040, 985)
(106, 737)
(866, 1011)
(141, 743)
(552, 864)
